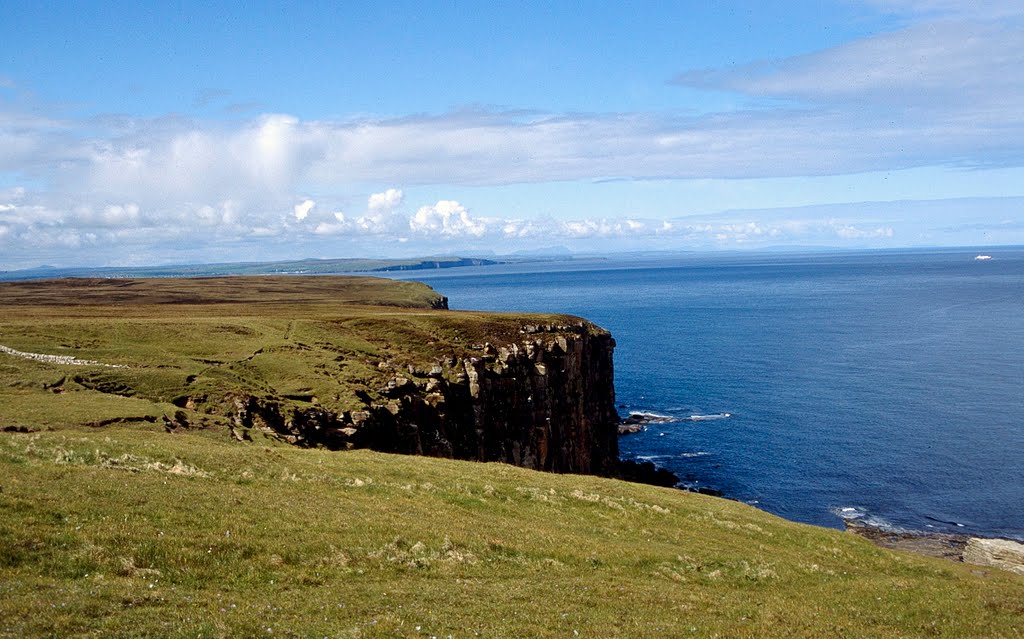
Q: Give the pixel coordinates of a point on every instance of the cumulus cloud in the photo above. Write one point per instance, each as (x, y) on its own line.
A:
(755, 231)
(946, 92)
(386, 201)
(608, 228)
(447, 218)
(339, 224)
(934, 93)
(302, 209)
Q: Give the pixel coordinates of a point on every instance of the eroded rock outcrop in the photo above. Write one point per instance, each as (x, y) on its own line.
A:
(1001, 553)
(545, 401)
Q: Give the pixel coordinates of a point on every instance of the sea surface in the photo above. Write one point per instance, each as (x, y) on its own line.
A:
(885, 386)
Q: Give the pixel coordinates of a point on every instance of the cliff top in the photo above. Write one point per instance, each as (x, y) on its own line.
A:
(92, 351)
(243, 294)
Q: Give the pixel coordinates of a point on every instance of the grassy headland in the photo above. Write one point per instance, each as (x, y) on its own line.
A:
(304, 341)
(127, 530)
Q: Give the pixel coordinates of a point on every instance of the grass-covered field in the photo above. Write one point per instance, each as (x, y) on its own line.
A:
(303, 341)
(130, 531)
(112, 527)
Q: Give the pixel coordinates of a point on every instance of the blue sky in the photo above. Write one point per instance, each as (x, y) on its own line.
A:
(191, 132)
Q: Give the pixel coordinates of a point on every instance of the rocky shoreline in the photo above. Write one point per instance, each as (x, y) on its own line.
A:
(1005, 554)
(647, 472)
(940, 545)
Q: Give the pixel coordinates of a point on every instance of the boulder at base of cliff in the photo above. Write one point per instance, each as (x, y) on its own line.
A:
(646, 473)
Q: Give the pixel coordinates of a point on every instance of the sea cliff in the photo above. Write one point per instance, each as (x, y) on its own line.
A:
(335, 362)
(545, 401)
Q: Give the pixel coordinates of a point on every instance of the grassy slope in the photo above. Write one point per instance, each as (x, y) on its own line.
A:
(316, 339)
(129, 531)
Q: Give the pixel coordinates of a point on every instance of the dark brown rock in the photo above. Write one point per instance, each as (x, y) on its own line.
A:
(547, 403)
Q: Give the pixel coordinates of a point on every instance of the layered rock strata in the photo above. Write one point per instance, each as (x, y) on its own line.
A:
(1000, 553)
(545, 401)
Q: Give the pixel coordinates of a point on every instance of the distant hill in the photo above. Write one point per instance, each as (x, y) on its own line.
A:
(289, 267)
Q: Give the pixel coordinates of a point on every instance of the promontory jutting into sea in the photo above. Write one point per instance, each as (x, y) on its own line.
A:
(883, 386)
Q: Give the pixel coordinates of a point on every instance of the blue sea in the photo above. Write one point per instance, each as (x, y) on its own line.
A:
(884, 386)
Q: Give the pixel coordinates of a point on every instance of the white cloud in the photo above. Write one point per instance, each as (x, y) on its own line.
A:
(446, 218)
(955, 60)
(302, 210)
(605, 228)
(386, 201)
(31, 234)
(119, 215)
(946, 89)
(917, 97)
(853, 233)
(338, 226)
(327, 228)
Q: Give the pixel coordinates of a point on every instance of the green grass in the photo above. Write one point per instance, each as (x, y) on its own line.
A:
(129, 531)
(295, 340)
(125, 530)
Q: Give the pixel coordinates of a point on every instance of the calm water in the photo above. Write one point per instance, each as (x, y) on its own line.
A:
(890, 385)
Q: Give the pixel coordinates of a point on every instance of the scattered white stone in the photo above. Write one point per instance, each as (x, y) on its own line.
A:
(57, 359)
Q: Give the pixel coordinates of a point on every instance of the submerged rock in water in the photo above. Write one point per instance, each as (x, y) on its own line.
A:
(637, 421)
(626, 428)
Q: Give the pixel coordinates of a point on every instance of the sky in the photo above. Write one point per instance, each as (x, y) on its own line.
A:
(194, 132)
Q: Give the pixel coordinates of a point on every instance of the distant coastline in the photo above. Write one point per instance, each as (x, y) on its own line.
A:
(289, 267)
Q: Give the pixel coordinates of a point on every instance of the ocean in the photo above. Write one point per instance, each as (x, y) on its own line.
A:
(882, 386)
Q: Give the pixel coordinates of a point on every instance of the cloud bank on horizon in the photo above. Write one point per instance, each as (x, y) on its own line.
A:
(937, 94)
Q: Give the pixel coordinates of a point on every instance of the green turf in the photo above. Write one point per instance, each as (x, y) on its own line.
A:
(125, 530)
(128, 531)
(300, 341)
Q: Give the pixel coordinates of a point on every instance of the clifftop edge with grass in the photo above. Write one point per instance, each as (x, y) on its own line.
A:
(339, 362)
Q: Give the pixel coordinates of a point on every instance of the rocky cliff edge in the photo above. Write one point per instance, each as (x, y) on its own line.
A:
(545, 401)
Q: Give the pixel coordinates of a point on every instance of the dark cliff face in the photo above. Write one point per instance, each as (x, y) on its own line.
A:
(545, 401)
